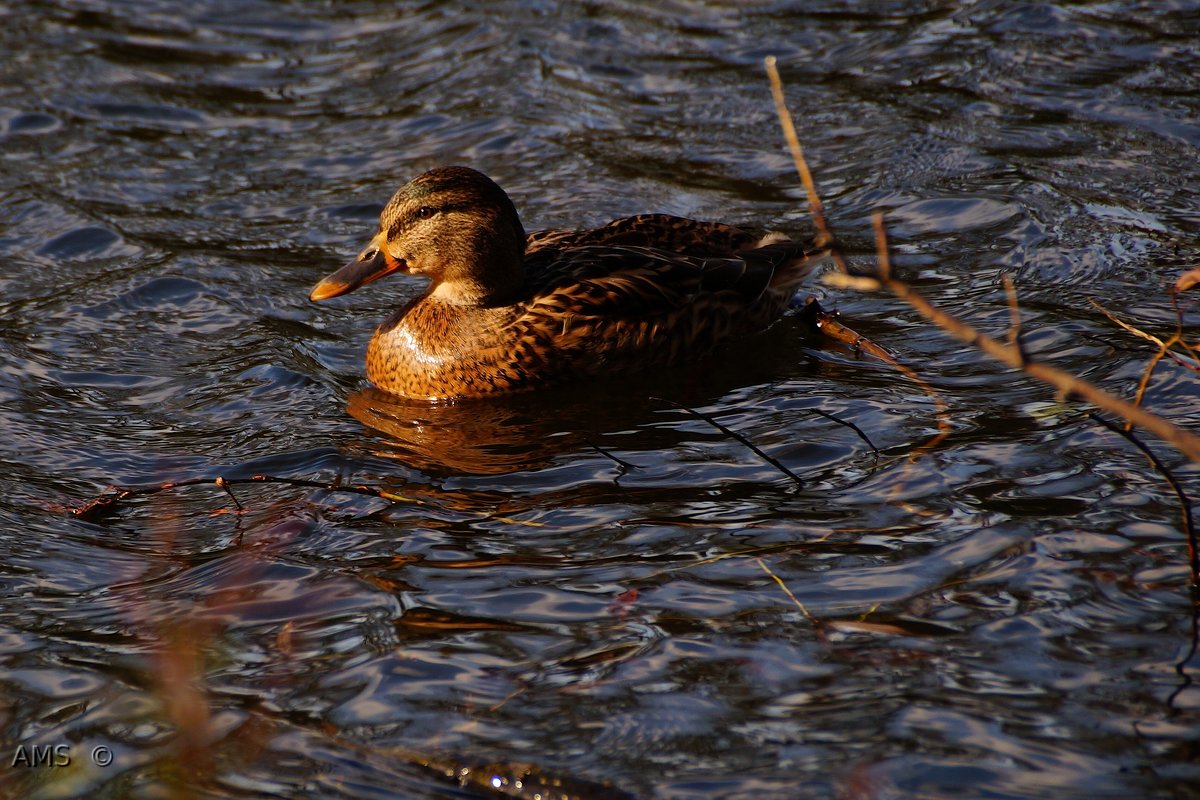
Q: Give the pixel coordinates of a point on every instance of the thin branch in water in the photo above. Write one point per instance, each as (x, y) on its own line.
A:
(1181, 667)
(1184, 502)
(1145, 381)
(761, 550)
(363, 489)
(1164, 347)
(942, 411)
(737, 437)
(1193, 550)
(98, 506)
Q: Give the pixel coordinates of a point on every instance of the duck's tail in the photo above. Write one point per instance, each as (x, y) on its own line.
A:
(781, 263)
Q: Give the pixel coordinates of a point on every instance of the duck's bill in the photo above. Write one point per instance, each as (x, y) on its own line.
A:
(371, 265)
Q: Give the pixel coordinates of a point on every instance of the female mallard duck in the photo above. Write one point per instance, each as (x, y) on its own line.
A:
(506, 312)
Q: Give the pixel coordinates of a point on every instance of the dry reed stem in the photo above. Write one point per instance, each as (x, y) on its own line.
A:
(1149, 337)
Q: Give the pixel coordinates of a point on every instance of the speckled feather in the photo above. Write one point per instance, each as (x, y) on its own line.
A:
(643, 291)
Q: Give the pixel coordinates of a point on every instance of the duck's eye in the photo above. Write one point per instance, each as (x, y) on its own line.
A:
(425, 212)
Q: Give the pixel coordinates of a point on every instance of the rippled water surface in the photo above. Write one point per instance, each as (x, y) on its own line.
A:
(593, 588)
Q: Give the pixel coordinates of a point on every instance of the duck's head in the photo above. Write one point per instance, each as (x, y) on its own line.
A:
(451, 224)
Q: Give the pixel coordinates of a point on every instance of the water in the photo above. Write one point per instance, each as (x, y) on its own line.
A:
(591, 581)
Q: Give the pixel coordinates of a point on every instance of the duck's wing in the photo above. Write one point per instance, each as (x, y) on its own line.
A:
(643, 283)
(595, 308)
(687, 237)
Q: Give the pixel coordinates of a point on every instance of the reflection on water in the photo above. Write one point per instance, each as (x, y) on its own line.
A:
(481, 438)
(591, 587)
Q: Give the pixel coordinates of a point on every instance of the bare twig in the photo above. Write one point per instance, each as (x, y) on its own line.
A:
(1145, 381)
(622, 465)
(1187, 280)
(882, 250)
(824, 321)
(1192, 350)
(97, 506)
(1181, 666)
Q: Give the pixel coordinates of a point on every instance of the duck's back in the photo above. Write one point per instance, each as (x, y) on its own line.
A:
(679, 235)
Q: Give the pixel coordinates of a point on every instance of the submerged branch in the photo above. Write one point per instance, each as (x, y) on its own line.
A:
(98, 506)
(102, 505)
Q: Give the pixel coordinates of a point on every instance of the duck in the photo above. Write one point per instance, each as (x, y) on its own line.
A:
(507, 312)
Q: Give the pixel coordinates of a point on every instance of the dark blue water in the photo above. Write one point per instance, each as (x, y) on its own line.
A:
(593, 586)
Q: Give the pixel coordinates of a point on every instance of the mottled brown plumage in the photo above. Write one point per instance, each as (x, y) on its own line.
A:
(507, 312)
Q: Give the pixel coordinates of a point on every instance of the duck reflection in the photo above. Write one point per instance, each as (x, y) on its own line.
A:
(489, 437)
